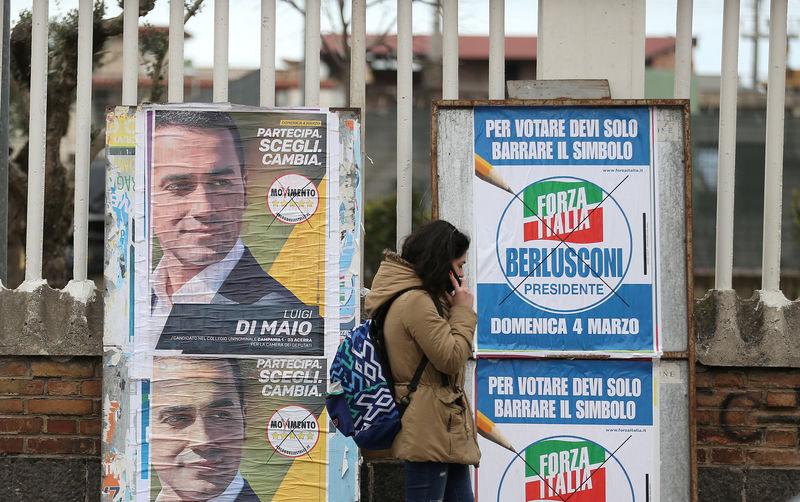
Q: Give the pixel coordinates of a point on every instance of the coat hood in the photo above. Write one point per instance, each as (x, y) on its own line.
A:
(394, 275)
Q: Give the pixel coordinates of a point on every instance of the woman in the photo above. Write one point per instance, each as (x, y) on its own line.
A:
(437, 439)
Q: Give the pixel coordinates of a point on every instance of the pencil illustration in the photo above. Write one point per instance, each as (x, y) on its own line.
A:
(488, 429)
(486, 172)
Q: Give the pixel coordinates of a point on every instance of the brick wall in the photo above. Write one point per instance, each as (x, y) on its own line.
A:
(748, 423)
(748, 432)
(50, 428)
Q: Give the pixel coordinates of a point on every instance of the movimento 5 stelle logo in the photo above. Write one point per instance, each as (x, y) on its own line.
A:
(564, 244)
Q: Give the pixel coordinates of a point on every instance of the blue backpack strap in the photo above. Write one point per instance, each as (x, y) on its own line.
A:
(376, 335)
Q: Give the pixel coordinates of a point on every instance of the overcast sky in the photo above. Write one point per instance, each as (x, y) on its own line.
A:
(521, 19)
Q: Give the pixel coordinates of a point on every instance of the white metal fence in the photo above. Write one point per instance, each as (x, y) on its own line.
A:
(495, 9)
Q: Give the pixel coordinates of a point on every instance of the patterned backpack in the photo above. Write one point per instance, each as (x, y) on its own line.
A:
(361, 400)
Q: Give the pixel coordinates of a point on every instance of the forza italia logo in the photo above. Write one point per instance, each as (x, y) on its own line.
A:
(563, 210)
(566, 469)
(564, 244)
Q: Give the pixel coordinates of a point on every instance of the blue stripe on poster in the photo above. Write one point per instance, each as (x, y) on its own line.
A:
(589, 392)
(624, 321)
(512, 136)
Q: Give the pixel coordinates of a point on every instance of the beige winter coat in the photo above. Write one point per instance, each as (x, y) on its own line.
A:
(438, 424)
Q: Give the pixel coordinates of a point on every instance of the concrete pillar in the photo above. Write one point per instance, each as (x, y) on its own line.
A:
(579, 39)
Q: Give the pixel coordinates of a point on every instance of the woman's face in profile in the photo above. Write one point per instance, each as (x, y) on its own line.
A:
(458, 265)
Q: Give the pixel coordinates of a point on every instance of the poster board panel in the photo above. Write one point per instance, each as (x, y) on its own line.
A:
(273, 386)
(567, 261)
(453, 180)
(558, 429)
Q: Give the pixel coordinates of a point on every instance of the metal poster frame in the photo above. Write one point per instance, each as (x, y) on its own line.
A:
(452, 168)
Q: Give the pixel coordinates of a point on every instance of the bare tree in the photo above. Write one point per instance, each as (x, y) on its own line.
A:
(154, 44)
(61, 87)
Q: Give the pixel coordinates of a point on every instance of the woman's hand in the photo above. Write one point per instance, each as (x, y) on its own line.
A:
(461, 295)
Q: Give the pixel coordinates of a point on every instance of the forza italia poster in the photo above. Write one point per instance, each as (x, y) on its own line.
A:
(566, 430)
(565, 223)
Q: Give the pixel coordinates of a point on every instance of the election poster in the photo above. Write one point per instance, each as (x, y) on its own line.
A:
(565, 209)
(237, 215)
(558, 430)
(350, 225)
(117, 453)
(120, 148)
(249, 429)
(230, 255)
(343, 459)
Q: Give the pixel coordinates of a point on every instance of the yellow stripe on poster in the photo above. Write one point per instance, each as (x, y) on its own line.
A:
(306, 480)
(300, 266)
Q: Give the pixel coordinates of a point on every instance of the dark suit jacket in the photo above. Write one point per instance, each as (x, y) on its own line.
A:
(248, 293)
(247, 494)
(248, 283)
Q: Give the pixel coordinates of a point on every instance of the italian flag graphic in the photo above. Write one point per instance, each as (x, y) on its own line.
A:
(563, 210)
(565, 469)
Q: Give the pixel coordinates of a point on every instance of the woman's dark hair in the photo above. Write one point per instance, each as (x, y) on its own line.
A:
(431, 249)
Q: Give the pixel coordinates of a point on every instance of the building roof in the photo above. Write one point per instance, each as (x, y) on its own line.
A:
(476, 47)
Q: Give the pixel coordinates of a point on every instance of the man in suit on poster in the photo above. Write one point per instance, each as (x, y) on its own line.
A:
(198, 429)
(198, 201)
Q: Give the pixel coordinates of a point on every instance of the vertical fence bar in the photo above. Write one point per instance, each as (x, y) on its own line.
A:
(450, 49)
(130, 52)
(773, 164)
(5, 81)
(311, 84)
(358, 88)
(727, 145)
(221, 12)
(83, 127)
(37, 134)
(175, 85)
(435, 51)
(358, 57)
(497, 49)
(267, 72)
(683, 50)
(756, 39)
(404, 117)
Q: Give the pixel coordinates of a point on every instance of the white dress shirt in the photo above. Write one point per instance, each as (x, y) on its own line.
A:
(229, 495)
(202, 288)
